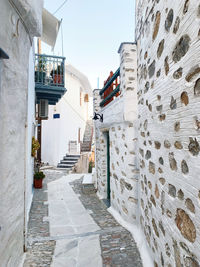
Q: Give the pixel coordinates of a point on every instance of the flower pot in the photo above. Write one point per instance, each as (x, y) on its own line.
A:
(38, 183)
(57, 79)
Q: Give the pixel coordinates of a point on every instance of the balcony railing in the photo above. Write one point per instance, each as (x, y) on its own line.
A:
(49, 70)
(111, 88)
(49, 77)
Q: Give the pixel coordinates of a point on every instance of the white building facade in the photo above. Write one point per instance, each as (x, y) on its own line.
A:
(20, 21)
(67, 119)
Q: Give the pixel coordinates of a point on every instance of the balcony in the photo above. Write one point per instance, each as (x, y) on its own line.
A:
(111, 88)
(49, 78)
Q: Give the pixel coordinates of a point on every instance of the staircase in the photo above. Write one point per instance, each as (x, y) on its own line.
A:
(87, 138)
(68, 161)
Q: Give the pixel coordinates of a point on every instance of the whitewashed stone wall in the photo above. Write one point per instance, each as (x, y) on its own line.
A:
(100, 150)
(16, 42)
(120, 120)
(169, 121)
(124, 170)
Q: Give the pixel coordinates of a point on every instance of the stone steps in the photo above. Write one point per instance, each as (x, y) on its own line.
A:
(68, 161)
(87, 138)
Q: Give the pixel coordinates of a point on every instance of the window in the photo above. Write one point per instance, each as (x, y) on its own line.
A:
(79, 135)
(80, 97)
(86, 98)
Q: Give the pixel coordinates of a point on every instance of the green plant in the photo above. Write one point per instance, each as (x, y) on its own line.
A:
(39, 175)
(91, 165)
(42, 64)
(35, 146)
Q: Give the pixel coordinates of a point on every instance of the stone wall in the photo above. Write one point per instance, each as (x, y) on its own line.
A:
(16, 42)
(169, 121)
(120, 121)
(124, 170)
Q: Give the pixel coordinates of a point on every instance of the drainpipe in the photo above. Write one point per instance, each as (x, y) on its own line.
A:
(25, 181)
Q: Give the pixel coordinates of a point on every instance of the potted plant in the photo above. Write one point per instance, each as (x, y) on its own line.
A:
(57, 75)
(40, 69)
(38, 178)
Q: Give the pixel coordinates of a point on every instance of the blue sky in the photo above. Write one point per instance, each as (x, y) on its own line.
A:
(92, 33)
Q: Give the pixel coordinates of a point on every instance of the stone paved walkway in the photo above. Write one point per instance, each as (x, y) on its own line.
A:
(117, 245)
(71, 228)
(40, 252)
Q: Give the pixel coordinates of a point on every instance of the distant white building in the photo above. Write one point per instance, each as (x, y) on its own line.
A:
(63, 132)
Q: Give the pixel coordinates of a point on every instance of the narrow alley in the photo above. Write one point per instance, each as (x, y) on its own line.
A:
(99, 133)
(70, 226)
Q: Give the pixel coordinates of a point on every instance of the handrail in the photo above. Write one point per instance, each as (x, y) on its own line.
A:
(44, 55)
(114, 77)
(114, 92)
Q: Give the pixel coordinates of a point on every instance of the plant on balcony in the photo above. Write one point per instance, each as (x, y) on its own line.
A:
(57, 75)
(35, 146)
(38, 178)
(40, 71)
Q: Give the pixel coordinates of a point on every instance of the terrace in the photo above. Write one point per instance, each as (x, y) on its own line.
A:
(111, 88)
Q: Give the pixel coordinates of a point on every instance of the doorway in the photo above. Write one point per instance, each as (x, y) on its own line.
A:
(108, 166)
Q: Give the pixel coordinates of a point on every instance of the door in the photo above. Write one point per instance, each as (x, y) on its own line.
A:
(108, 165)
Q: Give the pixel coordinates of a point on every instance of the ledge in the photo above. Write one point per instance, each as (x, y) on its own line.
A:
(3, 54)
(124, 43)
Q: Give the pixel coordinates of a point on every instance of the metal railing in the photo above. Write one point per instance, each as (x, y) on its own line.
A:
(49, 71)
(111, 88)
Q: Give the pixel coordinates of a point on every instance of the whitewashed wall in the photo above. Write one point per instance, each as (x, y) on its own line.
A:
(120, 120)
(169, 113)
(56, 133)
(30, 132)
(15, 40)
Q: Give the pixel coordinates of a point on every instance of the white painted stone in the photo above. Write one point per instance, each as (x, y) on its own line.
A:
(16, 89)
(120, 119)
(166, 86)
(87, 179)
(31, 14)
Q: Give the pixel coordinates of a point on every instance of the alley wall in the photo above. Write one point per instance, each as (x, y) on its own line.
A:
(120, 122)
(16, 33)
(169, 125)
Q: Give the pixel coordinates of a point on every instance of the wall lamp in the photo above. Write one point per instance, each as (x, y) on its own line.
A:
(97, 116)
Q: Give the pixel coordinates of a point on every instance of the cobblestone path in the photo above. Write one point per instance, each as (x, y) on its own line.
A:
(116, 245)
(40, 251)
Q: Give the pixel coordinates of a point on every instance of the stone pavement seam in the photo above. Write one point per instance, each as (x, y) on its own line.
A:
(54, 238)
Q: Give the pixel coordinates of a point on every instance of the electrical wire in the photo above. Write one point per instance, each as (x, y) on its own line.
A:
(62, 37)
(60, 7)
